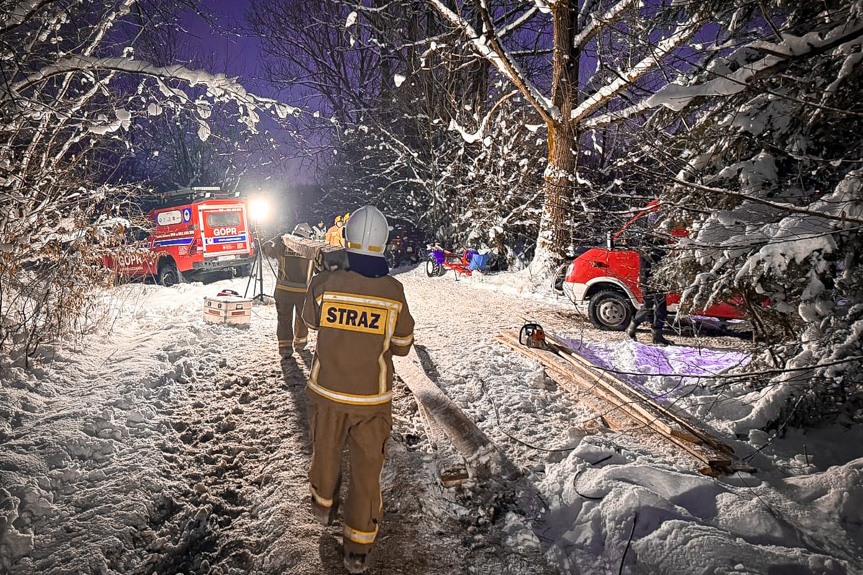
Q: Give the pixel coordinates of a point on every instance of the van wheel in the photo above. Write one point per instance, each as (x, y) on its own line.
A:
(610, 310)
(169, 275)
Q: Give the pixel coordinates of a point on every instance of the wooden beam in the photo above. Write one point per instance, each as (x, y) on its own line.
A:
(482, 456)
(325, 256)
(691, 432)
(449, 463)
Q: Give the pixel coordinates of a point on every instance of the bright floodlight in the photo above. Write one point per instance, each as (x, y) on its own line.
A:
(259, 209)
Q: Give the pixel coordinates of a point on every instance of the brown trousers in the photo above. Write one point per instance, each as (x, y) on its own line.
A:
(291, 331)
(366, 431)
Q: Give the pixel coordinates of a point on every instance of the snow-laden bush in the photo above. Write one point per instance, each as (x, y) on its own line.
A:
(71, 92)
(772, 189)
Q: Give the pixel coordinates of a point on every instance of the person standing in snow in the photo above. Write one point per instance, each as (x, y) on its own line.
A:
(655, 307)
(292, 282)
(362, 319)
(335, 235)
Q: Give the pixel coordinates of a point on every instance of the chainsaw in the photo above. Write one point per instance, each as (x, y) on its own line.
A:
(532, 335)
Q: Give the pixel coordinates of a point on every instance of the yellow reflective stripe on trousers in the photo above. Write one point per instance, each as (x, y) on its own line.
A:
(320, 500)
(363, 537)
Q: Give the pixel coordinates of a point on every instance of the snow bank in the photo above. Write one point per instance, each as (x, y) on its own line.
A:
(683, 523)
(87, 483)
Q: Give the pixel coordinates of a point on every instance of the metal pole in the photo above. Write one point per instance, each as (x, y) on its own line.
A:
(252, 270)
(260, 268)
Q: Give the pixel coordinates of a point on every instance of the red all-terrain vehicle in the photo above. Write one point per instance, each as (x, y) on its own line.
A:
(197, 231)
(605, 282)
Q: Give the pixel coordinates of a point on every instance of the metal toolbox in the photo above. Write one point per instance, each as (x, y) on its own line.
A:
(228, 307)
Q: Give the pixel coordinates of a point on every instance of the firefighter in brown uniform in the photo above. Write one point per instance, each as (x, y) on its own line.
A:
(292, 283)
(362, 320)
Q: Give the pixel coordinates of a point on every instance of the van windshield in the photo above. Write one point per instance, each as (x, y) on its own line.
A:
(223, 219)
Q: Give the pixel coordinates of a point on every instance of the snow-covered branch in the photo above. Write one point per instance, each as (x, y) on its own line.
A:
(842, 212)
(598, 23)
(515, 24)
(218, 85)
(682, 34)
(676, 96)
(22, 12)
(476, 136)
(490, 49)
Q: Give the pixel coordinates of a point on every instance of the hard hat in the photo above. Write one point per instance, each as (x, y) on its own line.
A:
(367, 232)
(338, 219)
(347, 216)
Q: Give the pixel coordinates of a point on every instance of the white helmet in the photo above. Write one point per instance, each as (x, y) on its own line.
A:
(367, 232)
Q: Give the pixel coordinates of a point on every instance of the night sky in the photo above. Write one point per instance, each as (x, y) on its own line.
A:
(236, 53)
(221, 35)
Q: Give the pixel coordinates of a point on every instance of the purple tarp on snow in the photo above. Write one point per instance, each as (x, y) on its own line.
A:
(658, 370)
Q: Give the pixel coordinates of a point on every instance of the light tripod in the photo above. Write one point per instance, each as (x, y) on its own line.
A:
(256, 272)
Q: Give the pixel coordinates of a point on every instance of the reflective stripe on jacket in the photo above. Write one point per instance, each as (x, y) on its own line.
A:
(294, 272)
(362, 322)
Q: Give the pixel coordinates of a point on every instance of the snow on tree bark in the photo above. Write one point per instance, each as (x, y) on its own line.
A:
(572, 28)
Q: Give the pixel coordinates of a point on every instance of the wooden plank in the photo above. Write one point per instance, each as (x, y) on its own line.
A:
(584, 384)
(482, 456)
(610, 421)
(703, 450)
(717, 461)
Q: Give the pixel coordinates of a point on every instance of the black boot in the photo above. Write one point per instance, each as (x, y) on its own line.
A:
(630, 331)
(658, 339)
(356, 562)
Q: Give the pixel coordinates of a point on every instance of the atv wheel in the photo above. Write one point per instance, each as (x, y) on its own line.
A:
(433, 268)
(610, 310)
(169, 275)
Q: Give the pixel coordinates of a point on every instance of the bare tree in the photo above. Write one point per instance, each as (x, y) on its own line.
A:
(580, 80)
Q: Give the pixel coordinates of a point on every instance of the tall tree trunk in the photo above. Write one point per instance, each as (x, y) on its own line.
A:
(554, 233)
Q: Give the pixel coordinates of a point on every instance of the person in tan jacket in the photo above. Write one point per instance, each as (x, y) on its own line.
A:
(292, 283)
(362, 319)
(335, 235)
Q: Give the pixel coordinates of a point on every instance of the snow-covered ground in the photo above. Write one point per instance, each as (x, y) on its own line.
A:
(163, 444)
